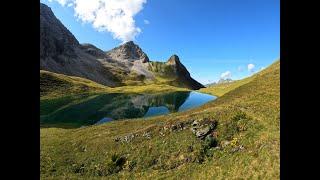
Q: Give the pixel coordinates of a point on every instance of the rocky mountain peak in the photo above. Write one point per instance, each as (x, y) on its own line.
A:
(55, 39)
(128, 51)
(173, 60)
(129, 43)
(221, 81)
(60, 52)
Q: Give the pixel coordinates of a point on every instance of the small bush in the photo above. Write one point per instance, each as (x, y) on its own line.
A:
(210, 142)
(116, 164)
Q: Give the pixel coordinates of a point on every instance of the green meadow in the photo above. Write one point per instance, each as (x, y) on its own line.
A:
(246, 138)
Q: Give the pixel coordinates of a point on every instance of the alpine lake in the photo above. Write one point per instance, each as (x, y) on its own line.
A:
(85, 110)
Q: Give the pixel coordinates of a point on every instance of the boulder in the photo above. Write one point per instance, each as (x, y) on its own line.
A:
(195, 123)
(201, 133)
(203, 128)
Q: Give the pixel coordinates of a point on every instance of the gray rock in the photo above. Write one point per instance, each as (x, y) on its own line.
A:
(173, 128)
(201, 133)
(194, 130)
(128, 138)
(236, 149)
(147, 135)
(94, 51)
(177, 127)
(128, 51)
(195, 123)
(202, 128)
(117, 139)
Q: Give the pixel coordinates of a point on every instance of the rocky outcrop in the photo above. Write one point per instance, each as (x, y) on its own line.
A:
(182, 74)
(60, 52)
(179, 69)
(203, 128)
(128, 52)
(55, 39)
(92, 50)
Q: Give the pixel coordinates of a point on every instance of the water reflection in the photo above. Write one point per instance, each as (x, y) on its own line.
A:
(107, 107)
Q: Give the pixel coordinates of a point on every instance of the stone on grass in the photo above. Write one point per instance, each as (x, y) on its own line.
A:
(201, 133)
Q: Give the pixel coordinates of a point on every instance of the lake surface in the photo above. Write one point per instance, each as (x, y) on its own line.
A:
(77, 111)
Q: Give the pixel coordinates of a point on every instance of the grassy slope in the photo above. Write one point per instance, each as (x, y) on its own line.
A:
(221, 89)
(87, 152)
(53, 85)
(165, 74)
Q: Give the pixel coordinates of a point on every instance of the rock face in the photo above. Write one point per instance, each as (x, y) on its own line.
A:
(94, 51)
(128, 52)
(60, 52)
(55, 38)
(183, 75)
(204, 128)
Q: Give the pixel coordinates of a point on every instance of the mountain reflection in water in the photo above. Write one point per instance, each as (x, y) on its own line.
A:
(103, 108)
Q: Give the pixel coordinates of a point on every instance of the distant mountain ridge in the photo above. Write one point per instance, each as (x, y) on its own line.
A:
(221, 81)
(127, 64)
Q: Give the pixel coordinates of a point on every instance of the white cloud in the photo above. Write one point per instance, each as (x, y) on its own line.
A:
(251, 67)
(225, 75)
(62, 2)
(240, 68)
(146, 21)
(262, 68)
(114, 16)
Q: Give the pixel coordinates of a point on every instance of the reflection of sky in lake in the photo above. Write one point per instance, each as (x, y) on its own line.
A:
(195, 99)
(154, 111)
(104, 120)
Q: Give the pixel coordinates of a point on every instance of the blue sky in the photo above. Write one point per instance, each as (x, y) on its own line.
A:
(211, 37)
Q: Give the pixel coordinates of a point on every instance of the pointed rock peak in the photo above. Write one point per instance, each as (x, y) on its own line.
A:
(129, 43)
(128, 51)
(174, 59)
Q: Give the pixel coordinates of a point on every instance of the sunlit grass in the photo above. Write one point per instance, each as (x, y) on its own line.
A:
(248, 115)
(54, 85)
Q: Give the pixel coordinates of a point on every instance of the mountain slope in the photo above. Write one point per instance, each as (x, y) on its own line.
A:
(54, 85)
(247, 134)
(175, 73)
(220, 89)
(57, 85)
(60, 52)
(127, 64)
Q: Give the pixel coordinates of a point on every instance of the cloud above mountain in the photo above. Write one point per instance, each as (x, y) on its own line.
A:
(251, 67)
(225, 75)
(114, 16)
